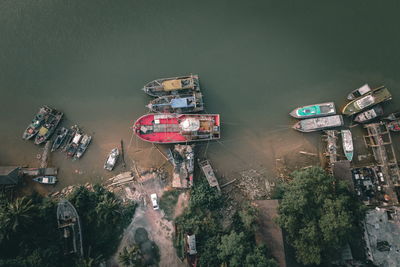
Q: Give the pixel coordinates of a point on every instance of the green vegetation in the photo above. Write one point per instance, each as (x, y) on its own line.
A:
(131, 256)
(216, 246)
(29, 234)
(319, 215)
(168, 202)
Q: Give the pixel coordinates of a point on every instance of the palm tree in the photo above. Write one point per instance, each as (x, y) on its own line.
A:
(131, 257)
(19, 212)
(108, 209)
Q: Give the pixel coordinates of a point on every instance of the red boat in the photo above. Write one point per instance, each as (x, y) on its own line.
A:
(177, 128)
(394, 126)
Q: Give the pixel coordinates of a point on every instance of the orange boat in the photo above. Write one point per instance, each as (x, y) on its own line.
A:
(177, 128)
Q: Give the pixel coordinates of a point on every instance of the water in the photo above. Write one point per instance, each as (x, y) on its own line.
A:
(257, 60)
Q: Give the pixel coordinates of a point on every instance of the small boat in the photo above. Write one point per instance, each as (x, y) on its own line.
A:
(316, 124)
(393, 116)
(370, 99)
(177, 103)
(172, 86)
(359, 92)
(83, 146)
(347, 144)
(37, 122)
(111, 159)
(61, 136)
(73, 146)
(313, 111)
(49, 127)
(394, 126)
(46, 179)
(70, 136)
(369, 114)
(168, 128)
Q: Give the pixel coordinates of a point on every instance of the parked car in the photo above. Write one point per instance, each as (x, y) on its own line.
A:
(154, 201)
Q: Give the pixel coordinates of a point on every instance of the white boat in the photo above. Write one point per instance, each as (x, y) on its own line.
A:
(46, 179)
(359, 92)
(316, 124)
(347, 144)
(83, 146)
(111, 159)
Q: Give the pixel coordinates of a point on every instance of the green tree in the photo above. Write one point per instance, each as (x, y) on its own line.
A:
(319, 214)
(131, 256)
(258, 258)
(232, 249)
(19, 212)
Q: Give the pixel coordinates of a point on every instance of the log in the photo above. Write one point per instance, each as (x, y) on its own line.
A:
(308, 153)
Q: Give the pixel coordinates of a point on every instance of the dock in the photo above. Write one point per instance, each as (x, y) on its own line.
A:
(331, 152)
(208, 171)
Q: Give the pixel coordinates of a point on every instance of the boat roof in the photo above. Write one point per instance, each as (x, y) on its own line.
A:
(365, 101)
(45, 179)
(364, 89)
(182, 102)
(43, 131)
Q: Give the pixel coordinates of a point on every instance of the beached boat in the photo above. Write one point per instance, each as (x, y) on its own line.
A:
(177, 103)
(394, 126)
(316, 124)
(313, 111)
(369, 114)
(83, 146)
(359, 92)
(46, 179)
(111, 159)
(177, 128)
(49, 127)
(370, 99)
(37, 122)
(172, 86)
(73, 146)
(61, 136)
(347, 144)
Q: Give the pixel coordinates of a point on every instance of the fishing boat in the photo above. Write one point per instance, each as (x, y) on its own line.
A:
(83, 146)
(37, 122)
(370, 99)
(172, 86)
(347, 144)
(69, 223)
(393, 116)
(73, 146)
(313, 111)
(359, 92)
(61, 136)
(369, 114)
(70, 135)
(177, 103)
(394, 126)
(177, 128)
(49, 127)
(111, 159)
(316, 124)
(46, 179)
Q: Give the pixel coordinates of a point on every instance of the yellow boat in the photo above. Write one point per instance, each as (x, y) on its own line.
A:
(370, 99)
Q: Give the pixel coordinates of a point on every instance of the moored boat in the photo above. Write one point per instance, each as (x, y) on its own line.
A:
(316, 124)
(46, 179)
(313, 111)
(172, 86)
(177, 128)
(111, 159)
(73, 146)
(347, 141)
(49, 127)
(370, 99)
(61, 136)
(359, 92)
(369, 114)
(70, 135)
(394, 126)
(37, 122)
(83, 146)
(177, 103)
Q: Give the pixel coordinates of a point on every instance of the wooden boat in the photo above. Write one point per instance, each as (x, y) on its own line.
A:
(177, 128)
(172, 86)
(73, 146)
(316, 124)
(111, 159)
(37, 122)
(69, 223)
(49, 127)
(313, 111)
(70, 136)
(177, 103)
(347, 144)
(393, 116)
(61, 136)
(369, 114)
(83, 146)
(46, 179)
(370, 99)
(359, 92)
(394, 126)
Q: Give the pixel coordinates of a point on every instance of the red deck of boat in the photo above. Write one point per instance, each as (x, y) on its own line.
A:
(165, 137)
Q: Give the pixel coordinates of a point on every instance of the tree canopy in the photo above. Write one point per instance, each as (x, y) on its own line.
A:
(318, 214)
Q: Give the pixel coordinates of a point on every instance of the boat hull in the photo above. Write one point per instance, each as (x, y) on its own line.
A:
(177, 128)
(314, 111)
(317, 124)
(370, 99)
(111, 160)
(369, 115)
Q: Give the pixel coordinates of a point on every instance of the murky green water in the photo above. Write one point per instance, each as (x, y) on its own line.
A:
(257, 60)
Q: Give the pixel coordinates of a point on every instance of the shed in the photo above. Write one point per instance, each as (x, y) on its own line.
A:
(10, 175)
